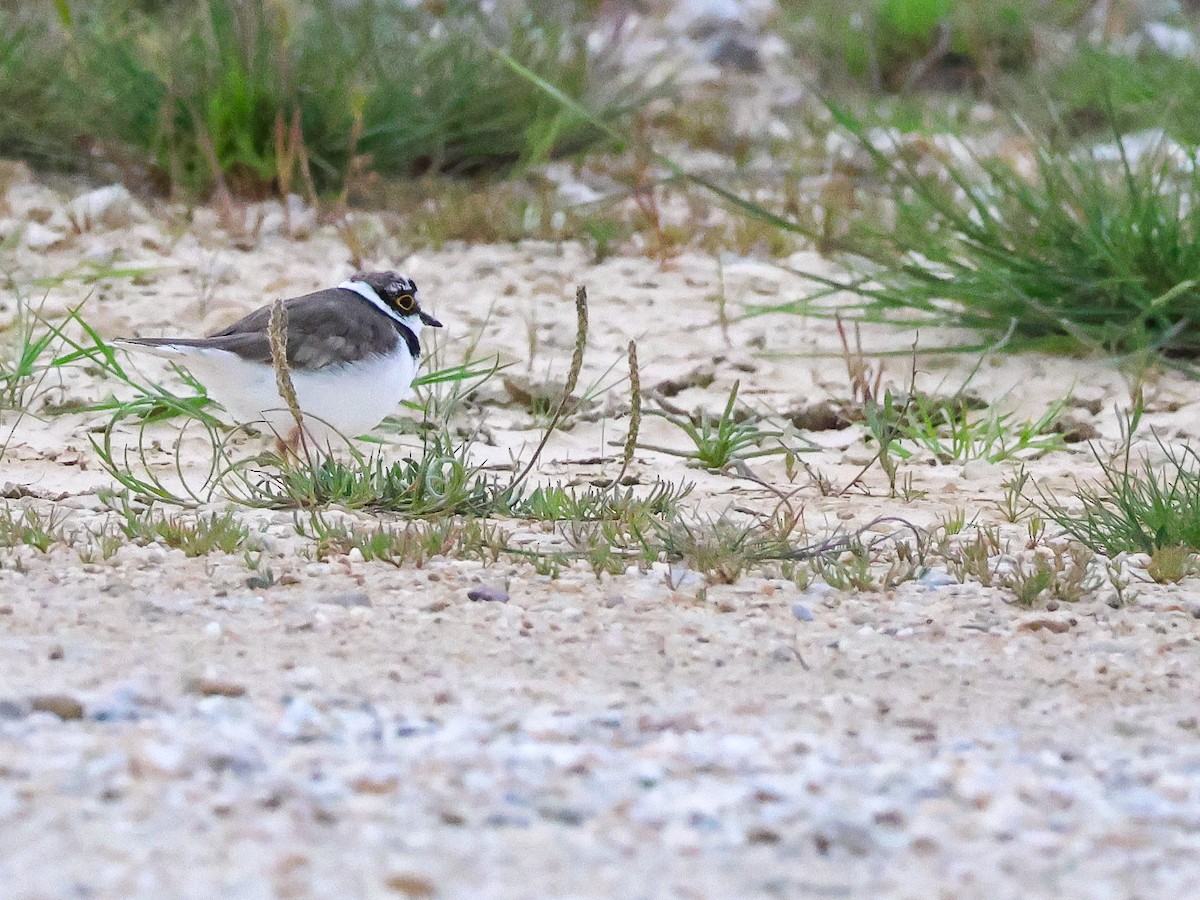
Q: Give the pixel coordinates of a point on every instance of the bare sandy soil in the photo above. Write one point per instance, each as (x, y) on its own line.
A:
(361, 730)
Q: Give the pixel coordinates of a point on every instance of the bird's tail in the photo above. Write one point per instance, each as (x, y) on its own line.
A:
(168, 348)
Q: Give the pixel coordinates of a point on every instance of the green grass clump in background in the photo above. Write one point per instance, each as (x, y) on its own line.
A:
(1093, 90)
(258, 95)
(33, 90)
(1078, 254)
(899, 45)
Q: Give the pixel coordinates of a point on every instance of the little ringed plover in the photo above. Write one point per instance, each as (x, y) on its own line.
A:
(352, 353)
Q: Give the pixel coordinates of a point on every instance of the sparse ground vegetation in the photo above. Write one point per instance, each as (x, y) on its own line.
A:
(856, 493)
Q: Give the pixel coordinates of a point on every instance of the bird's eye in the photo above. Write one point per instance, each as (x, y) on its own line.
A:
(405, 303)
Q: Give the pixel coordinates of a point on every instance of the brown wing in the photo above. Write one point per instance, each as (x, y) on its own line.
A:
(327, 328)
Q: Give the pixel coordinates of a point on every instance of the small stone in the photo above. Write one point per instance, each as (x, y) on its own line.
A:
(305, 677)
(122, 705)
(354, 598)
(487, 594)
(375, 783)
(10, 709)
(214, 687)
(802, 612)
(438, 605)
(302, 722)
(1075, 429)
(55, 652)
(782, 654)
(39, 237)
(158, 758)
(762, 835)
(1092, 404)
(979, 469)
(62, 705)
(112, 206)
(936, 578)
(823, 415)
(1058, 626)
(734, 51)
(32, 202)
(700, 377)
(563, 815)
(411, 885)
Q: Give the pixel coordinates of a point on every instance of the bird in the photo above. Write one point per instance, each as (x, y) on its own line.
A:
(352, 354)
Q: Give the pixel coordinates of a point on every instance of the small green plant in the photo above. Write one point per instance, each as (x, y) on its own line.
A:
(194, 535)
(31, 528)
(974, 559)
(1036, 531)
(723, 441)
(261, 576)
(1120, 581)
(411, 544)
(953, 522)
(1063, 575)
(1135, 508)
(1074, 578)
(558, 504)
(21, 360)
(604, 546)
(720, 548)
(549, 564)
(948, 430)
(883, 420)
(439, 481)
(1029, 581)
(1013, 504)
(1169, 565)
(849, 571)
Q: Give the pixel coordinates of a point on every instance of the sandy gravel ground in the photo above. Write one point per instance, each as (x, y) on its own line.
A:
(359, 730)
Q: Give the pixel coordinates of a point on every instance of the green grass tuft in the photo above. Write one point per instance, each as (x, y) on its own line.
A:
(1079, 255)
(252, 96)
(1136, 508)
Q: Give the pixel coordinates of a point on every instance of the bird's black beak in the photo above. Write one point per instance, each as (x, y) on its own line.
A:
(430, 320)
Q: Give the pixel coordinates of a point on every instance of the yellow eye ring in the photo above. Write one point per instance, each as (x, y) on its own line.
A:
(405, 303)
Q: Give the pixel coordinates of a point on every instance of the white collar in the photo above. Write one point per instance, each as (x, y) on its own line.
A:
(368, 293)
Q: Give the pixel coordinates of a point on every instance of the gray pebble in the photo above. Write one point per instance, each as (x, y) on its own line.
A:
(10, 709)
(354, 598)
(937, 578)
(487, 593)
(802, 612)
(782, 654)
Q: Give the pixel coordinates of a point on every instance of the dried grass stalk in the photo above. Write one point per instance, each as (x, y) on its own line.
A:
(277, 334)
(581, 336)
(635, 410)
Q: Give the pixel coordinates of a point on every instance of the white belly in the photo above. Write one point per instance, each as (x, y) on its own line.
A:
(349, 400)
